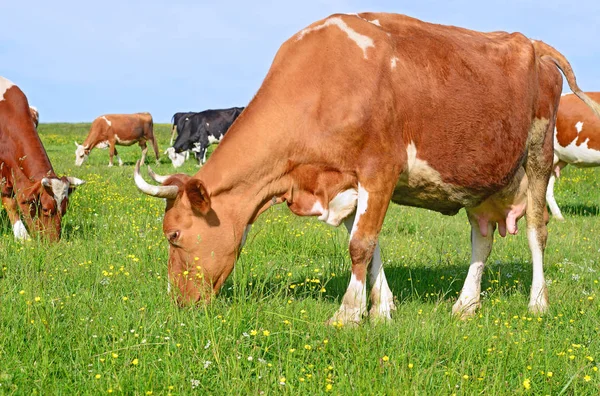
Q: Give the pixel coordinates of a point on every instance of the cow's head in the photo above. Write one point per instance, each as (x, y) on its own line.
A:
(176, 158)
(44, 204)
(204, 240)
(81, 154)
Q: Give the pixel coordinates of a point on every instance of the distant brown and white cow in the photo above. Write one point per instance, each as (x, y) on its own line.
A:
(360, 110)
(35, 115)
(576, 141)
(30, 189)
(117, 129)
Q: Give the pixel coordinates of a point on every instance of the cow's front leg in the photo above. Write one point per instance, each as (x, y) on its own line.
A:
(364, 232)
(18, 227)
(111, 152)
(481, 246)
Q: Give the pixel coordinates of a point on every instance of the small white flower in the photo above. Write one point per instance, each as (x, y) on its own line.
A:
(245, 334)
(207, 363)
(195, 383)
(250, 358)
(263, 361)
(207, 345)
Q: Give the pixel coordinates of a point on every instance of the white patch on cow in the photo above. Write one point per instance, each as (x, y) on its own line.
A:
(551, 200)
(168, 285)
(20, 231)
(375, 22)
(481, 246)
(361, 208)
(566, 93)
(124, 142)
(214, 140)
(197, 147)
(207, 124)
(33, 108)
(4, 86)
(103, 145)
(107, 121)
(579, 126)
(60, 190)
(393, 62)
(340, 207)
(354, 303)
(579, 155)
(382, 297)
(363, 42)
(538, 301)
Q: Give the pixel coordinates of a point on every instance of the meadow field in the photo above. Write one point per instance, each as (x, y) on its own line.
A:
(91, 314)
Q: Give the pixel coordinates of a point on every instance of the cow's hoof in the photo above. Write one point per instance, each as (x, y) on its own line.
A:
(465, 309)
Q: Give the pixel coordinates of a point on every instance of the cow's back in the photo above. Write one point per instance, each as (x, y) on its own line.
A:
(460, 100)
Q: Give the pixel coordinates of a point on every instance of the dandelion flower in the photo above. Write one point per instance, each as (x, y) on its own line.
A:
(135, 362)
(410, 365)
(549, 373)
(266, 333)
(328, 387)
(385, 358)
(98, 376)
(527, 384)
(115, 355)
(587, 378)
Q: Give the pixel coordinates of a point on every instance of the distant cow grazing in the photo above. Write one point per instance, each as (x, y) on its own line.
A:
(35, 115)
(30, 190)
(200, 130)
(117, 129)
(360, 110)
(576, 141)
(177, 122)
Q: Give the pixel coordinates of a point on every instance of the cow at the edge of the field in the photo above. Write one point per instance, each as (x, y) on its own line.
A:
(360, 110)
(33, 196)
(199, 131)
(576, 141)
(35, 115)
(111, 130)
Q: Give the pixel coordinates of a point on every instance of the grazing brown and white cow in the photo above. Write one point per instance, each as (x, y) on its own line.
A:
(117, 129)
(35, 115)
(576, 141)
(30, 189)
(360, 110)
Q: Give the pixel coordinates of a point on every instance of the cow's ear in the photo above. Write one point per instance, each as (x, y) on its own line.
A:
(198, 195)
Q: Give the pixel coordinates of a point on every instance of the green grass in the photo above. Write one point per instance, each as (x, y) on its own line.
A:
(95, 304)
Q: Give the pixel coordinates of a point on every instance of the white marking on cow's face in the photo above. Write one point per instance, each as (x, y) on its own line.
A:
(177, 159)
(214, 140)
(579, 155)
(393, 62)
(80, 155)
(579, 126)
(4, 86)
(60, 190)
(20, 231)
(363, 42)
(107, 121)
(375, 22)
(361, 207)
(340, 207)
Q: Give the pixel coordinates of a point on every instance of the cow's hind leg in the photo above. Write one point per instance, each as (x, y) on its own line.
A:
(18, 227)
(538, 167)
(481, 246)
(373, 201)
(382, 299)
(558, 165)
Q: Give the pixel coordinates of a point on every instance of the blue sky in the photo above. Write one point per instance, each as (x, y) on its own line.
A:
(78, 59)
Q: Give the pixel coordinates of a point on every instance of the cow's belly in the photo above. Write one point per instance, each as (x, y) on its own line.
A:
(422, 186)
(124, 142)
(579, 155)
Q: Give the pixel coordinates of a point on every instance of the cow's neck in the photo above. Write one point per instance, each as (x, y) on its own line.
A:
(249, 168)
(32, 162)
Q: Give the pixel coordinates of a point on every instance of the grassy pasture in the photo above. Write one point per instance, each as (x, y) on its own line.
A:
(90, 314)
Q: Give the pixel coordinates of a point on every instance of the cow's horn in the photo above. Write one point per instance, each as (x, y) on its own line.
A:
(157, 178)
(169, 192)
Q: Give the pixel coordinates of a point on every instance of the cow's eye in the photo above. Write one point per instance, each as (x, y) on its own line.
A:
(173, 236)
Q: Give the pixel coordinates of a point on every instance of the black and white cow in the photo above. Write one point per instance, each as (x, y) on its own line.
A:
(200, 130)
(177, 122)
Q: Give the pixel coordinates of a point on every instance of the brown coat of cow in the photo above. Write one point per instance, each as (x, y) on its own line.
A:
(117, 129)
(360, 110)
(30, 189)
(576, 141)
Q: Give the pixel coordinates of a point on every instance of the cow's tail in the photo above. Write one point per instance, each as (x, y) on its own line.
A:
(544, 50)
(154, 142)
